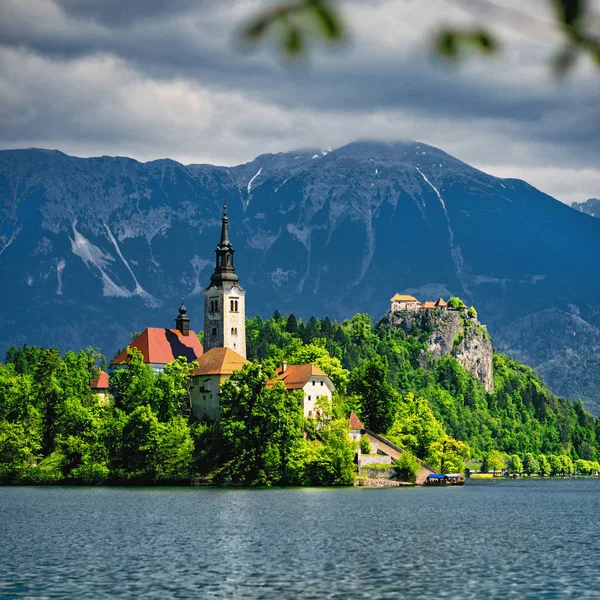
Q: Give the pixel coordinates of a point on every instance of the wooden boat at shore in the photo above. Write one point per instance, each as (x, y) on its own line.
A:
(448, 479)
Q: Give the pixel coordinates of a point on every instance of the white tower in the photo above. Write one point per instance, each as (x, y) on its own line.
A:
(224, 301)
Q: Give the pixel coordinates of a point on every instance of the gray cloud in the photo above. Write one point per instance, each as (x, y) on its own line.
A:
(163, 78)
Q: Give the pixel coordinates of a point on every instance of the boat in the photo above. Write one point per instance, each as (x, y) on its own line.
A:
(448, 479)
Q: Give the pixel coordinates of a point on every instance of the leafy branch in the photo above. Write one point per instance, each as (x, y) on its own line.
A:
(297, 23)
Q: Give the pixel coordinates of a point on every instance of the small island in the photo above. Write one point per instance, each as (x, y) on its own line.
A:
(282, 401)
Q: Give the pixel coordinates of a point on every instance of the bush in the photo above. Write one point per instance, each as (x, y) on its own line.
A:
(365, 445)
(456, 303)
(407, 467)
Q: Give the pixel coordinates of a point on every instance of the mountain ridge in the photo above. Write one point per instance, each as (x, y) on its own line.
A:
(107, 245)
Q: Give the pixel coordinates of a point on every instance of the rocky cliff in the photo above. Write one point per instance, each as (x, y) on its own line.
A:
(451, 333)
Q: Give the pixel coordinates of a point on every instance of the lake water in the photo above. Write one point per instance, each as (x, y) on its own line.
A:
(513, 539)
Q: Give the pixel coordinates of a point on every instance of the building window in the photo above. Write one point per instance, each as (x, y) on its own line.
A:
(236, 305)
(309, 398)
(321, 384)
(234, 331)
(214, 331)
(233, 305)
(314, 382)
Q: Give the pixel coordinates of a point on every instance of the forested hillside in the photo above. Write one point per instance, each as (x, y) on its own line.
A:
(54, 430)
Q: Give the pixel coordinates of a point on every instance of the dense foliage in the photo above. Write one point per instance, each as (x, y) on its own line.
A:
(441, 413)
(54, 429)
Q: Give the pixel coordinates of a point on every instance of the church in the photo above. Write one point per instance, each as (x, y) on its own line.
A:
(224, 349)
(224, 331)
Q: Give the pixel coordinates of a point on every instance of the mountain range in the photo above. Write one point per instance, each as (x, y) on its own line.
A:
(589, 207)
(94, 249)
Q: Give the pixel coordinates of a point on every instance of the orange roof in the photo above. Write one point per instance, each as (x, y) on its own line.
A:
(220, 361)
(100, 382)
(428, 305)
(162, 346)
(355, 423)
(295, 377)
(441, 302)
(401, 298)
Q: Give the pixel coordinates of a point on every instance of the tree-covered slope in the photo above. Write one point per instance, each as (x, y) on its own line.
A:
(54, 430)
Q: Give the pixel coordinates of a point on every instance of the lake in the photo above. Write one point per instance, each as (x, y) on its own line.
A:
(498, 539)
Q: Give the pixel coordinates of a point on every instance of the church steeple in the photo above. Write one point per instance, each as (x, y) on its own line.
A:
(224, 300)
(182, 322)
(224, 274)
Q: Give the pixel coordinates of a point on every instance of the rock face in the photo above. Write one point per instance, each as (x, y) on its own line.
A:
(589, 207)
(452, 333)
(94, 249)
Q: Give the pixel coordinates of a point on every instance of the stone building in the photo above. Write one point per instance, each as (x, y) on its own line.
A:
(400, 302)
(214, 368)
(224, 300)
(161, 346)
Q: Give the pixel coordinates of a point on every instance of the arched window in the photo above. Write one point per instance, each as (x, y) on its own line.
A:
(229, 260)
(231, 305)
(236, 305)
(232, 331)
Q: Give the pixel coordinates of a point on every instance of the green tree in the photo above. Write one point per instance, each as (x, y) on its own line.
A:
(406, 467)
(334, 461)
(556, 465)
(514, 464)
(260, 426)
(456, 303)
(493, 462)
(132, 384)
(378, 398)
(418, 431)
(531, 465)
(365, 445)
(472, 313)
(544, 465)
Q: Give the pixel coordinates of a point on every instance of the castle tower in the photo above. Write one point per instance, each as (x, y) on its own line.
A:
(224, 300)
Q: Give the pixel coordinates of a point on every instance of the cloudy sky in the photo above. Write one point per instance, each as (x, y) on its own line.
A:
(165, 78)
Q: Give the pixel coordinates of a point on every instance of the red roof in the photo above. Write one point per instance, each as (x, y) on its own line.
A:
(162, 346)
(355, 424)
(100, 382)
(295, 377)
(220, 361)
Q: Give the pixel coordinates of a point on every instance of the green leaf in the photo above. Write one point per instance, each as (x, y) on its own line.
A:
(329, 21)
(293, 43)
(570, 11)
(447, 43)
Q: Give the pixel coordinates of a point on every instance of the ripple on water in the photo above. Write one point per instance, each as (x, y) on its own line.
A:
(528, 539)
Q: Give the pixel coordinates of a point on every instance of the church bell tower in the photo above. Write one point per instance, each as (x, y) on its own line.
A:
(224, 300)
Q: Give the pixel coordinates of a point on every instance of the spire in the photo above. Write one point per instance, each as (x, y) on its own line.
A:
(224, 275)
(224, 229)
(182, 322)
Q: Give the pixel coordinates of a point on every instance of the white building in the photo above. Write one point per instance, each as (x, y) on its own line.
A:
(313, 382)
